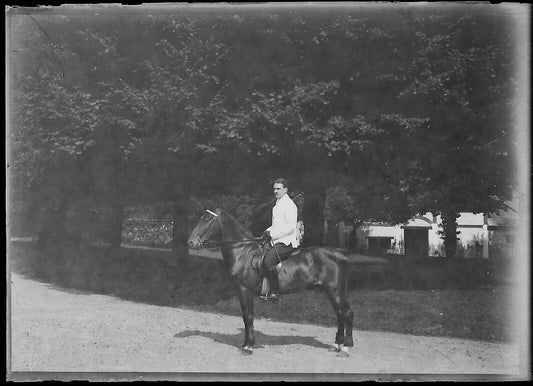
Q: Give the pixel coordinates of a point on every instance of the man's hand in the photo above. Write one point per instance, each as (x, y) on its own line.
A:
(266, 236)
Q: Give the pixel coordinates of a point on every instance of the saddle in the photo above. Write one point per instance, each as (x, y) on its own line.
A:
(266, 285)
(283, 257)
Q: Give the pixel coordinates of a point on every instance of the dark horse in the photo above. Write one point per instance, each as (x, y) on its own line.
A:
(305, 268)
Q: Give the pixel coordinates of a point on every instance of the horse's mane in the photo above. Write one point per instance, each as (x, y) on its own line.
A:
(235, 224)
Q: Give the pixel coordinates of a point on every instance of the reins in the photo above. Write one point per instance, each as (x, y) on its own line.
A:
(234, 243)
(222, 242)
(257, 240)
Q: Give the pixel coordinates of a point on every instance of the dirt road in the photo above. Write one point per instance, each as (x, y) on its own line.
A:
(55, 330)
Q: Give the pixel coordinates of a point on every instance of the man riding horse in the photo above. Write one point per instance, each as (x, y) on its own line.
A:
(282, 235)
(326, 268)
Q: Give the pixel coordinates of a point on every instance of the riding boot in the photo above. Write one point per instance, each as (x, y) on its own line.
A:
(272, 276)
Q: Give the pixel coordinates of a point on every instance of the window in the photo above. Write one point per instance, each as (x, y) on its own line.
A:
(379, 244)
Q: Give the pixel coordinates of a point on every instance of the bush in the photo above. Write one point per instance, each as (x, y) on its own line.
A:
(150, 234)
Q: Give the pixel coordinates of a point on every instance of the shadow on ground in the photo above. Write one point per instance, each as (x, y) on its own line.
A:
(235, 340)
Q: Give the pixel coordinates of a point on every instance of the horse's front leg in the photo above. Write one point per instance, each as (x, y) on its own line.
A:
(247, 307)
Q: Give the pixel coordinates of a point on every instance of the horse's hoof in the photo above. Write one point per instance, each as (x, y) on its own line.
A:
(247, 350)
(343, 354)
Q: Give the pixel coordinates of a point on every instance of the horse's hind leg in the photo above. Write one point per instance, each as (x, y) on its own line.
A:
(347, 313)
(335, 300)
(345, 309)
(344, 313)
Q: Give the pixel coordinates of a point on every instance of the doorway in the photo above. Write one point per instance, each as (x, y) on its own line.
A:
(416, 242)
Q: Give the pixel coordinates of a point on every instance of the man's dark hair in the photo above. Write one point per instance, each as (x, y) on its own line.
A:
(282, 181)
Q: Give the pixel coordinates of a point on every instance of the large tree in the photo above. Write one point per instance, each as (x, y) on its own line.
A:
(461, 81)
(157, 106)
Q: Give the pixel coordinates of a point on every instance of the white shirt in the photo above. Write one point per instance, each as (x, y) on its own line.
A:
(284, 222)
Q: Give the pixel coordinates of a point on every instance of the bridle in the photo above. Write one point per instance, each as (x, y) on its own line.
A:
(232, 243)
(203, 243)
(218, 243)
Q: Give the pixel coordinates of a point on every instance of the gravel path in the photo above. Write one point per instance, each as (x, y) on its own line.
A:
(55, 330)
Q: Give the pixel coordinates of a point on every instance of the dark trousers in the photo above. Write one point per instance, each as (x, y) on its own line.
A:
(271, 257)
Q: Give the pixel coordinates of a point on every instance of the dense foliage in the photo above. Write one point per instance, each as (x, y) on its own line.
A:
(394, 106)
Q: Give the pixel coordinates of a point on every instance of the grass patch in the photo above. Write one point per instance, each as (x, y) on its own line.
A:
(153, 277)
(401, 273)
(479, 315)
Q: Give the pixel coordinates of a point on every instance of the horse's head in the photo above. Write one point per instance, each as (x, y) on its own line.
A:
(209, 228)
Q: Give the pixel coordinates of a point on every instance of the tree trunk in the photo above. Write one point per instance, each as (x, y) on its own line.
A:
(331, 235)
(313, 218)
(351, 243)
(53, 228)
(180, 227)
(449, 225)
(115, 225)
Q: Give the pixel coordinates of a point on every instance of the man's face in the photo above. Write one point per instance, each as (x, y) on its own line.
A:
(279, 190)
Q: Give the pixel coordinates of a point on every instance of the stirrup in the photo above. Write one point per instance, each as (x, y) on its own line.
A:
(274, 298)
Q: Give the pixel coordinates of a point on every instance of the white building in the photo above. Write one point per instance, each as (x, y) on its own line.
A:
(479, 235)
